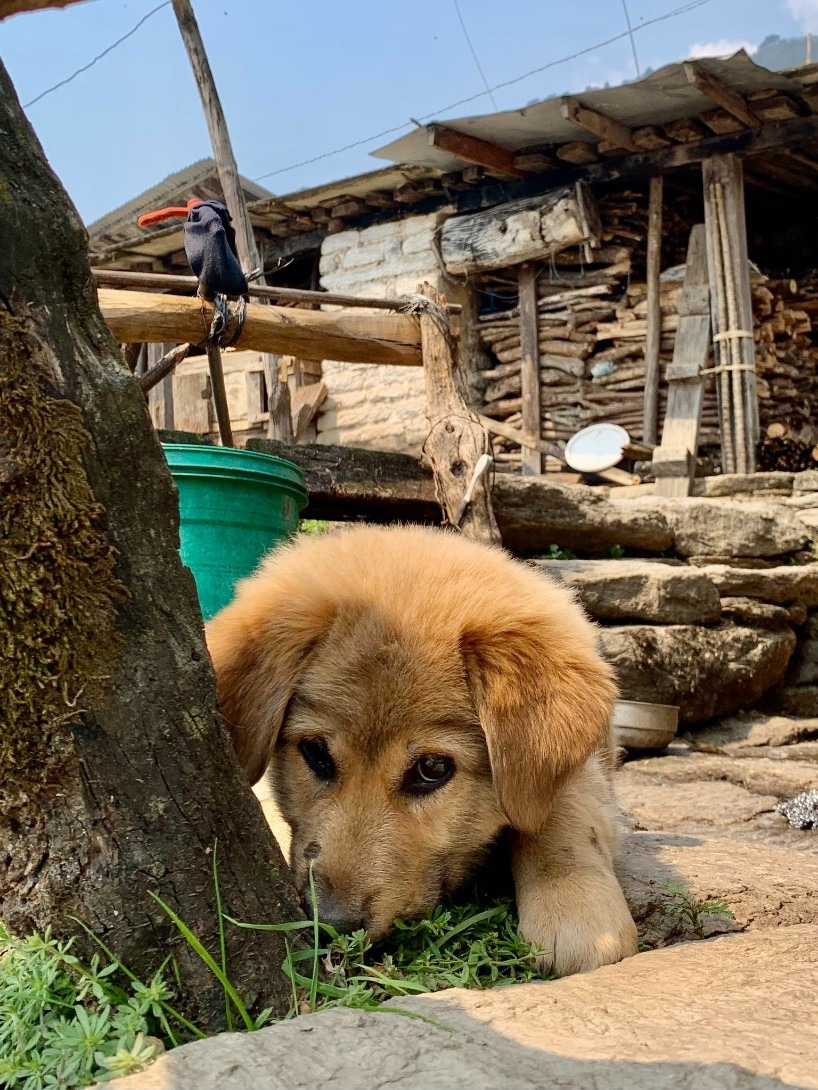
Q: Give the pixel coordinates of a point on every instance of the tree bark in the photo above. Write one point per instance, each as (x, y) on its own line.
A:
(118, 777)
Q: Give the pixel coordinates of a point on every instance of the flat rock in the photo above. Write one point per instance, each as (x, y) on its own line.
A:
(707, 672)
(757, 614)
(786, 583)
(804, 666)
(736, 1013)
(655, 805)
(741, 732)
(639, 590)
(761, 775)
(806, 481)
(764, 887)
(801, 700)
(732, 484)
(707, 808)
(533, 512)
(719, 526)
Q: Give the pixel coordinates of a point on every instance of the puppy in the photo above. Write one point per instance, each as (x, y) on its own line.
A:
(414, 694)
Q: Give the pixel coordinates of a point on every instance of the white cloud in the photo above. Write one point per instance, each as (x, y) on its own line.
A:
(806, 12)
(726, 47)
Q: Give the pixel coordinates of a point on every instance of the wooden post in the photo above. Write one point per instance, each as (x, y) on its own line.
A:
(650, 420)
(674, 462)
(456, 439)
(231, 188)
(723, 182)
(530, 370)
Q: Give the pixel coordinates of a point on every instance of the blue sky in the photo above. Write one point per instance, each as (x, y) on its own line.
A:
(299, 80)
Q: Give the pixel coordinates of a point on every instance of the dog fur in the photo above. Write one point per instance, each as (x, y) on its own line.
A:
(384, 646)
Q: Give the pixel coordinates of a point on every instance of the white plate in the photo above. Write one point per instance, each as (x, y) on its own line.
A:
(597, 447)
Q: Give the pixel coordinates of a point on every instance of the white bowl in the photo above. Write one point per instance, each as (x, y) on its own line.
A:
(644, 726)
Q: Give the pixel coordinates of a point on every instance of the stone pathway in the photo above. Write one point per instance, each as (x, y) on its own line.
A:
(733, 1013)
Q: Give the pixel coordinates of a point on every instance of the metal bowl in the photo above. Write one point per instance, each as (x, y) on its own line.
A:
(645, 726)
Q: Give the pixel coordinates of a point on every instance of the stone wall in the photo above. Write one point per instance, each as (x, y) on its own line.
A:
(377, 408)
(728, 624)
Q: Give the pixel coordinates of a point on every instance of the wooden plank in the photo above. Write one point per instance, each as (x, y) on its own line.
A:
(774, 135)
(721, 93)
(579, 152)
(511, 234)
(304, 405)
(161, 402)
(732, 311)
(602, 126)
(530, 369)
(456, 440)
(653, 340)
(345, 483)
(118, 278)
(311, 334)
(470, 149)
(685, 393)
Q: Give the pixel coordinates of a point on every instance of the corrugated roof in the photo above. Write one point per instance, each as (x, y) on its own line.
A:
(663, 96)
(200, 179)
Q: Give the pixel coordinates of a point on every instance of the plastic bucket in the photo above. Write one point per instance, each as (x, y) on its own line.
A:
(234, 506)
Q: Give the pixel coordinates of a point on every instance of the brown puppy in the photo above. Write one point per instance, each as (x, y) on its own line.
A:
(415, 693)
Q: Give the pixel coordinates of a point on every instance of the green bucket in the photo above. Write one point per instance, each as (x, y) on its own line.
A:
(234, 506)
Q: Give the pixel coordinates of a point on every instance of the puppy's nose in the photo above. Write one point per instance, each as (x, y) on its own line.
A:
(345, 918)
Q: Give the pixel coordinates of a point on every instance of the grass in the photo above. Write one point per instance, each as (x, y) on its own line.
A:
(64, 1024)
(677, 901)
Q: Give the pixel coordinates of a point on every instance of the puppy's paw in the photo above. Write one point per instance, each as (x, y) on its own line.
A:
(579, 922)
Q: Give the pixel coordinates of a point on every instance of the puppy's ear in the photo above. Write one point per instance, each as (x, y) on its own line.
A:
(259, 645)
(545, 702)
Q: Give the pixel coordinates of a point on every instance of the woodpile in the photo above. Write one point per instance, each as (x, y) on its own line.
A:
(787, 365)
(592, 327)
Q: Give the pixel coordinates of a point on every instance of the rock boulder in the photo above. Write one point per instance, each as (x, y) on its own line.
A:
(708, 672)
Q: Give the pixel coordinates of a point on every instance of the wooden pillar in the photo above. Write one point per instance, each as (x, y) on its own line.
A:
(279, 426)
(530, 371)
(732, 312)
(456, 439)
(650, 419)
(674, 462)
(160, 398)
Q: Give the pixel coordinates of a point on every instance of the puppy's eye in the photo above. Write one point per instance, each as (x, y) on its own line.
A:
(315, 753)
(427, 774)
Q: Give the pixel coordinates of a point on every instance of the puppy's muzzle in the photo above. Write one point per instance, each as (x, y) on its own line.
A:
(344, 914)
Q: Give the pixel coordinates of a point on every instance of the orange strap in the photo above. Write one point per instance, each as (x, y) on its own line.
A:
(150, 218)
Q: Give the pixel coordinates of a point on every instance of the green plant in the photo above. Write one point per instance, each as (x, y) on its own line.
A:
(66, 1025)
(677, 901)
(313, 526)
(615, 552)
(554, 552)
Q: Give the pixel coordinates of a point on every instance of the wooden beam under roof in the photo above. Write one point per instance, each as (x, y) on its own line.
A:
(471, 149)
(721, 93)
(602, 126)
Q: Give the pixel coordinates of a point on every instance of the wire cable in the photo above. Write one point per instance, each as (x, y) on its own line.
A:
(683, 10)
(99, 56)
(633, 40)
(473, 51)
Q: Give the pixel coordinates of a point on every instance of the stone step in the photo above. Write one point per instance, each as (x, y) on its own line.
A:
(735, 1012)
(642, 590)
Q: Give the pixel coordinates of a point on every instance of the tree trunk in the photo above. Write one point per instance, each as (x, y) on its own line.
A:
(118, 778)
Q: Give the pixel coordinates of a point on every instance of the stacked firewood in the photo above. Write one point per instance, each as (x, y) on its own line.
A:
(592, 327)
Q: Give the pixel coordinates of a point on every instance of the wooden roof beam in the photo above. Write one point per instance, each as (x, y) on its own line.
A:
(470, 149)
(602, 126)
(721, 93)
